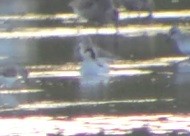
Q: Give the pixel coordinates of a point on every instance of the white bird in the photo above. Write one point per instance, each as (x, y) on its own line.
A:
(92, 64)
(10, 76)
(99, 11)
(181, 40)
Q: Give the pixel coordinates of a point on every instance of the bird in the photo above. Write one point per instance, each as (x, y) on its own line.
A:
(96, 11)
(87, 42)
(92, 64)
(180, 39)
(9, 75)
(139, 5)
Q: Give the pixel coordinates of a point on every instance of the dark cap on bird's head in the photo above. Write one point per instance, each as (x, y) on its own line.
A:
(92, 53)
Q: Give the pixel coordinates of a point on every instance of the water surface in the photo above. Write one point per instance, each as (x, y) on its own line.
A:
(146, 90)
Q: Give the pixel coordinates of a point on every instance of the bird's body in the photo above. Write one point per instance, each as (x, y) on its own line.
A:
(181, 40)
(99, 11)
(94, 68)
(92, 64)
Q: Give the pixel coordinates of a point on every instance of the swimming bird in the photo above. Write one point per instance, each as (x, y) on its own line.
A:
(87, 42)
(9, 75)
(139, 5)
(180, 39)
(92, 64)
(95, 11)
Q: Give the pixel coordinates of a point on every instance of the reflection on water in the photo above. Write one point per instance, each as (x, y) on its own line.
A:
(55, 105)
(89, 87)
(68, 32)
(13, 98)
(32, 17)
(160, 14)
(13, 29)
(146, 90)
(90, 82)
(65, 17)
(20, 91)
(158, 124)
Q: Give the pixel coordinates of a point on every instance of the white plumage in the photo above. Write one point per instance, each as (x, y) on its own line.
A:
(92, 64)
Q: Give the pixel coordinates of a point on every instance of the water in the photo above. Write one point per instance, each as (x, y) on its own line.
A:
(147, 90)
